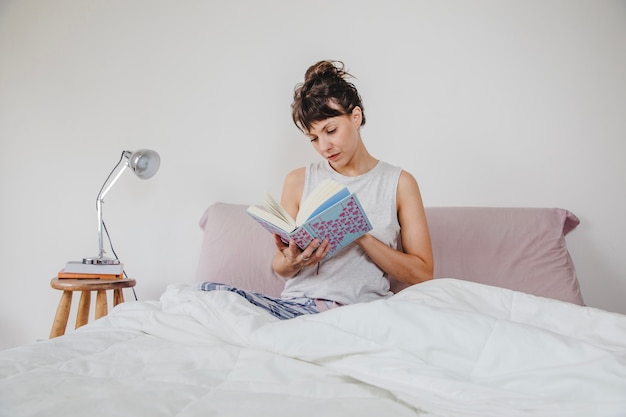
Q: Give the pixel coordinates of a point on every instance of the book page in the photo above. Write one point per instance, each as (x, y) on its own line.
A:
(277, 210)
(268, 217)
(327, 189)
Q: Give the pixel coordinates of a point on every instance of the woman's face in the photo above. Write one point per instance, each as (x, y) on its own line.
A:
(337, 138)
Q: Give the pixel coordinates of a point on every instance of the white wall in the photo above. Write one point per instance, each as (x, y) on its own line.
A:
(487, 103)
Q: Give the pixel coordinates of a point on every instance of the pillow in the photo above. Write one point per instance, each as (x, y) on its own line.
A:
(237, 251)
(521, 249)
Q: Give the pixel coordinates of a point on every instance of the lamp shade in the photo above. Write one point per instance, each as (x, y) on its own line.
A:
(144, 163)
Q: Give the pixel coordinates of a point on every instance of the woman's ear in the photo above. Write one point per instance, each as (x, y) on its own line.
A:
(357, 116)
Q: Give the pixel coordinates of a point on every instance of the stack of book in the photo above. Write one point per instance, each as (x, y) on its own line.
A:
(79, 270)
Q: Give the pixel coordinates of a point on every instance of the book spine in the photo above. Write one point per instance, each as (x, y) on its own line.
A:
(71, 275)
(76, 267)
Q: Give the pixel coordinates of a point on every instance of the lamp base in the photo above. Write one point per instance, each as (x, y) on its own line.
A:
(97, 260)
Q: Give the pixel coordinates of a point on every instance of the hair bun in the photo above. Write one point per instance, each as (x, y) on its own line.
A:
(324, 70)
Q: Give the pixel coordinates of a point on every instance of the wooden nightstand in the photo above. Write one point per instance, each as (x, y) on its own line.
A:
(85, 286)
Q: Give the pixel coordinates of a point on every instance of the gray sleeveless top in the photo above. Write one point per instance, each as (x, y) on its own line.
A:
(350, 276)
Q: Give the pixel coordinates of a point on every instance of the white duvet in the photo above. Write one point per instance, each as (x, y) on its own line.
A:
(442, 348)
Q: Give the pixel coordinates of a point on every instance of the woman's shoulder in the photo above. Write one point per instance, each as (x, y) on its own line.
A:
(407, 182)
(312, 172)
(406, 176)
(297, 175)
(408, 192)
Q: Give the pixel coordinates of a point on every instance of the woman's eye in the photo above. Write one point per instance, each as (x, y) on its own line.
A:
(313, 139)
(331, 131)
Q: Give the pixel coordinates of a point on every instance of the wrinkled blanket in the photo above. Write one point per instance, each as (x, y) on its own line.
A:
(442, 348)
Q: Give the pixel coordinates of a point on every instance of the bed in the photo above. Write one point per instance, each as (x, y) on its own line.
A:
(502, 330)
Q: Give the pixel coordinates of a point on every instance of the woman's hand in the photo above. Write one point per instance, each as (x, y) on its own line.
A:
(290, 259)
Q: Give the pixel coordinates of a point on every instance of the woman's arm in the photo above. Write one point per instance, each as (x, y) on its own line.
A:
(289, 259)
(415, 264)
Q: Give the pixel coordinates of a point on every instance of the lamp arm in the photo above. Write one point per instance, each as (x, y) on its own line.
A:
(105, 189)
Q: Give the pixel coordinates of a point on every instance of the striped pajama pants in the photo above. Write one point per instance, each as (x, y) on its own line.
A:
(282, 308)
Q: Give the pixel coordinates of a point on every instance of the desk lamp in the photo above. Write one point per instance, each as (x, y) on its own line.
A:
(144, 163)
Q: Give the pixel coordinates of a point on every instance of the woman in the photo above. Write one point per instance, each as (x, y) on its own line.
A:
(328, 110)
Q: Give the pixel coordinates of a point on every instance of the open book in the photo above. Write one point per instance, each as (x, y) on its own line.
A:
(330, 212)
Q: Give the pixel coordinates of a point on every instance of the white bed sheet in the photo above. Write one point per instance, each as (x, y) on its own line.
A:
(443, 348)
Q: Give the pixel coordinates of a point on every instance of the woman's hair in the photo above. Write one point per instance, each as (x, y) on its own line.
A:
(324, 93)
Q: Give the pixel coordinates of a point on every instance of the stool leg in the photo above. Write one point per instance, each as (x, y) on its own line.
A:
(62, 314)
(82, 317)
(101, 304)
(118, 296)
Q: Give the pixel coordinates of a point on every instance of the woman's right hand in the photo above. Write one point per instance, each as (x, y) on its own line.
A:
(289, 259)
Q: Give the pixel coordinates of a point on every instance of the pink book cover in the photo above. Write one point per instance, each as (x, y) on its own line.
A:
(341, 224)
